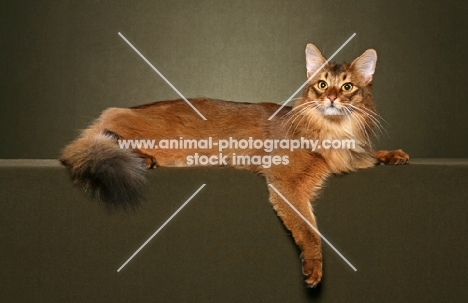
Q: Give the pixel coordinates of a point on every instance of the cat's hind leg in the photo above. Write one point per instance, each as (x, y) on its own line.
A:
(150, 161)
(391, 157)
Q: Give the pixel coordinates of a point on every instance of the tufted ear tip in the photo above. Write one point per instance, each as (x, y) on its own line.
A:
(314, 59)
(365, 64)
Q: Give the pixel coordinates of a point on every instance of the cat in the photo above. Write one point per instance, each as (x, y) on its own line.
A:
(336, 104)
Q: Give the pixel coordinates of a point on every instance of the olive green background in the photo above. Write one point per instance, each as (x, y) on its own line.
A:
(404, 228)
(63, 62)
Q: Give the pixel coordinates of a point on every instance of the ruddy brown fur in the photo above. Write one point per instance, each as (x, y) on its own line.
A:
(336, 104)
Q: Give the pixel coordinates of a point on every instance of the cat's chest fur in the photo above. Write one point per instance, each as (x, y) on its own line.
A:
(341, 143)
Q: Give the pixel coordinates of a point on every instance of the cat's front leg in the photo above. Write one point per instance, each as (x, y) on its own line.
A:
(288, 200)
(291, 200)
(391, 157)
(292, 189)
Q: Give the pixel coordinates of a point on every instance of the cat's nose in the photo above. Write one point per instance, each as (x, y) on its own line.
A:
(332, 98)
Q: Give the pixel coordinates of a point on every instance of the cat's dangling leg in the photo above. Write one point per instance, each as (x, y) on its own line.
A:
(299, 188)
(305, 236)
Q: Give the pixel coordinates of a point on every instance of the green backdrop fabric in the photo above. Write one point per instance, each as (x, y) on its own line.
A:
(64, 63)
(403, 228)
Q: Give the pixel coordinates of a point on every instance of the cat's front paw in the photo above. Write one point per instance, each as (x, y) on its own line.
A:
(392, 157)
(312, 269)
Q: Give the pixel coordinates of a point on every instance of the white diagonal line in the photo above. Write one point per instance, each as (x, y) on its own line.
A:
(313, 227)
(162, 226)
(162, 76)
(313, 75)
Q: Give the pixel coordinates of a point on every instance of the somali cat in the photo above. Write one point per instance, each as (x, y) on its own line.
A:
(336, 105)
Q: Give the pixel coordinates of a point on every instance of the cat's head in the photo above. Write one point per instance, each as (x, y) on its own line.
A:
(336, 91)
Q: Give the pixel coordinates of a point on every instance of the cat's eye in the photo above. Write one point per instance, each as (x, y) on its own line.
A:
(322, 85)
(347, 87)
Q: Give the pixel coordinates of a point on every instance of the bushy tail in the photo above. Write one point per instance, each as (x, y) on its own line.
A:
(98, 165)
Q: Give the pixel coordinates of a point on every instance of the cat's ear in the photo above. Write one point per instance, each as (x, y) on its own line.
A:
(314, 59)
(365, 64)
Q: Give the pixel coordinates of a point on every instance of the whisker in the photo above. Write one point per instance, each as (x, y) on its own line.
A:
(306, 111)
(311, 114)
(371, 115)
(299, 106)
(292, 109)
(366, 125)
(361, 124)
(375, 114)
(293, 116)
(298, 114)
(294, 112)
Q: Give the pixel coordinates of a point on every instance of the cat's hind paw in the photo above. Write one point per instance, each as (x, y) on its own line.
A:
(392, 157)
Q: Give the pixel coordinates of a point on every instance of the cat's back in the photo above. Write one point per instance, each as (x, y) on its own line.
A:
(212, 109)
